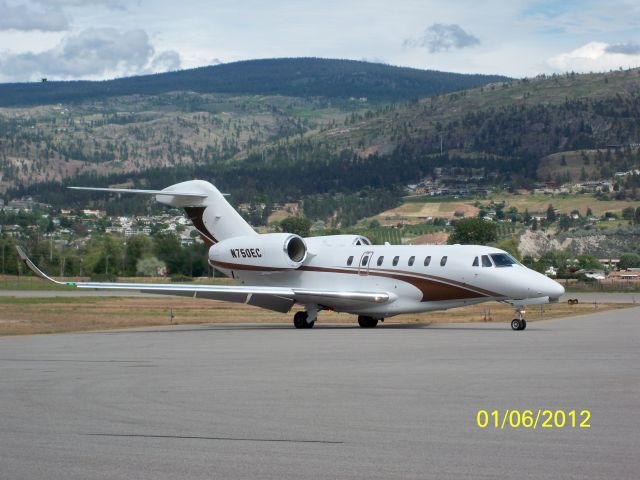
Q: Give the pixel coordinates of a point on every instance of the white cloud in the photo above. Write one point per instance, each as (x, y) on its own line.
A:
(595, 57)
(628, 48)
(23, 17)
(439, 38)
(166, 61)
(93, 53)
(111, 4)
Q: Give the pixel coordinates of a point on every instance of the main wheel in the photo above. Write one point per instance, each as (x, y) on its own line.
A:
(300, 320)
(523, 324)
(367, 322)
(516, 324)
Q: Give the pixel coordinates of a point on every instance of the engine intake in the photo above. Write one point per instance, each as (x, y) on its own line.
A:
(296, 248)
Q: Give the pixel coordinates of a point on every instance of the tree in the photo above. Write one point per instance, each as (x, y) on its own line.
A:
(474, 231)
(509, 245)
(629, 260)
(557, 259)
(629, 213)
(149, 266)
(589, 262)
(565, 222)
(551, 214)
(298, 225)
(104, 256)
(168, 249)
(138, 246)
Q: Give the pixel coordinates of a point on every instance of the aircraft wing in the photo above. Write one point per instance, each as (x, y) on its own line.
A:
(280, 299)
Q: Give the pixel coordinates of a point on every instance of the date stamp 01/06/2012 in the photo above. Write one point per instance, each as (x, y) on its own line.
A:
(533, 419)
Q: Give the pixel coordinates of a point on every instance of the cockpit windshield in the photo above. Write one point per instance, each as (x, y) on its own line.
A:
(503, 260)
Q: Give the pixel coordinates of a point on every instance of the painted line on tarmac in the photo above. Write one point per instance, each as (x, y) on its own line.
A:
(193, 437)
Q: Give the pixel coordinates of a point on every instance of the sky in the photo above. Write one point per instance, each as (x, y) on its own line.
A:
(101, 39)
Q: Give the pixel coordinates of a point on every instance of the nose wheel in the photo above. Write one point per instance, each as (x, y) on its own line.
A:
(519, 323)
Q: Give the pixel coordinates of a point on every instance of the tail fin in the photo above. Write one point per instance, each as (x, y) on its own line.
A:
(211, 214)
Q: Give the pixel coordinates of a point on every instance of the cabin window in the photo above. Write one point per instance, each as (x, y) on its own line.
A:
(503, 259)
(395, 261)
(349, 261)
(411, 260)
(365, 260)
(476, 263)
(486, 262)
(443, 261)
(380, 260)
(427, 261)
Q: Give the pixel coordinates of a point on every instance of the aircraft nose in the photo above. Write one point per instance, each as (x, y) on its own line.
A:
(554, 290)
(539, 285)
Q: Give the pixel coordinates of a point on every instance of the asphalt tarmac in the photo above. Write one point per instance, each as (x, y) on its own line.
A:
(272, 402)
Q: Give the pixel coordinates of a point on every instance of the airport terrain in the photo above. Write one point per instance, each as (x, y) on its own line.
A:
(56, 311)
(270, 402)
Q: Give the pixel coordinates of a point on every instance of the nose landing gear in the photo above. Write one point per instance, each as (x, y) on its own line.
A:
(519, 323)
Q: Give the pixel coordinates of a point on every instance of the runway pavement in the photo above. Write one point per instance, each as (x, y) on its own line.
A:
(272, 402)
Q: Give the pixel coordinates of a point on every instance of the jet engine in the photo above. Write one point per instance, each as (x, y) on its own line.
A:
(267, 252)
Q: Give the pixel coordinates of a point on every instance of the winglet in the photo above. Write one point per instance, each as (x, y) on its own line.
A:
(32, 266)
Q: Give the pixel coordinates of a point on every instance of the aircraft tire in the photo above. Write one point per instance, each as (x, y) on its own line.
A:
(516, 324)
(300, 320)
(523, 324)
(367, 322)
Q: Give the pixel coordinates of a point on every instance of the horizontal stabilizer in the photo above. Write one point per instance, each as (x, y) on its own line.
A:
(148, 192)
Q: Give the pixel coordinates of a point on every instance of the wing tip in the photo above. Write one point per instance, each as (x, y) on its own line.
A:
(32, 266)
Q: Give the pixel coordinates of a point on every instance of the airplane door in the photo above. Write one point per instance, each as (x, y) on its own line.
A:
(365, 261)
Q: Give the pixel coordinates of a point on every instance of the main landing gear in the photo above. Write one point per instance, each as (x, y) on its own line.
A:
(301, 320)
(367, 322)
(519, 323)
(307, 319)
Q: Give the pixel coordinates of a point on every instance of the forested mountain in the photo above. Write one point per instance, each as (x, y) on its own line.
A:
(294, 77)
(330, 152)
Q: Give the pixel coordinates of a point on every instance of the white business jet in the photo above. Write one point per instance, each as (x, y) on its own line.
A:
(344, 273)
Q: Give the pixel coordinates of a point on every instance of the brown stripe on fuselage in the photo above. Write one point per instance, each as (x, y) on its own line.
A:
(433, 288)
(436, 278)
(242, 266)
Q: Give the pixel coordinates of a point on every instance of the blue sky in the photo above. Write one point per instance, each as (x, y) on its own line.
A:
(96, 39)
